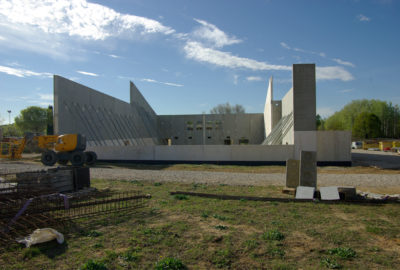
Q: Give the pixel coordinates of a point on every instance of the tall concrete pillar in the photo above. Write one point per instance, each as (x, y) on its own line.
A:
(304, 108)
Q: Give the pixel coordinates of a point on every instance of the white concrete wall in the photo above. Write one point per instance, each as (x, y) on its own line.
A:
(268, 110)
(304, 141)
(334, 145)
(196, 152)
(331, 146)
(287, 108)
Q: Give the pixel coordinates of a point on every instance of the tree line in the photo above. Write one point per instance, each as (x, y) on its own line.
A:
(366, 119)
(32, 119)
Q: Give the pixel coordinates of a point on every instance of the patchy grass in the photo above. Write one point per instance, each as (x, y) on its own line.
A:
(246, 169)
(201, 233)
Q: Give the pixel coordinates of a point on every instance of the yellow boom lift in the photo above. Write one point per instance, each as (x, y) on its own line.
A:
(58, 148)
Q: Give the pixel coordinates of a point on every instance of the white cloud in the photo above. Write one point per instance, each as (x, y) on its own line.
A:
(148, 80)
(341, 62)
(2, 38)
(78, 18)
(165, 83)
(325, 112)
(40, 99)
(172, 84)
(235, 79)
(213, 35)
(346, 91)
(114, 56)
(286, 46)
(46, 96)
(23, 72)
(254, 78)
(87, 73)
(333, 73)
(196, 51)
(283, 80)
(363, 18)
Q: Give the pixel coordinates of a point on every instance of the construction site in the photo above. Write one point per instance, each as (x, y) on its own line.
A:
(135, 190)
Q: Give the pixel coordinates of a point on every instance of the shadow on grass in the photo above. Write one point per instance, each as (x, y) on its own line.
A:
(136, 166)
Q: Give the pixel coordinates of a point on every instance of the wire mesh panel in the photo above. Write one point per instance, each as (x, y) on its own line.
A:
(22, 211)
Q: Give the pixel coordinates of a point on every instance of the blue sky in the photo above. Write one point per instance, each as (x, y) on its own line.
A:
(188, 56)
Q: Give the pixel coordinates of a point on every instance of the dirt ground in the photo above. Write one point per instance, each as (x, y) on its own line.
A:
(372, 171)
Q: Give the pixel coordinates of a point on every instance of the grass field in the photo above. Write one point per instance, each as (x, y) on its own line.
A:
(199, 233)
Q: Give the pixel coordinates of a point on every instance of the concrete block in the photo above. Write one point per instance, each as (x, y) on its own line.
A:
(329, 193)
(349, 193)
(308, 169)
(292, 173)
(290, 191)
(305, 192)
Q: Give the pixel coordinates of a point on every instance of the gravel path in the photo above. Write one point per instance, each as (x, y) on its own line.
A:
(255, 179)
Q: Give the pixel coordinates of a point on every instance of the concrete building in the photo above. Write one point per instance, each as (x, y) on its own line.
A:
(117, 130)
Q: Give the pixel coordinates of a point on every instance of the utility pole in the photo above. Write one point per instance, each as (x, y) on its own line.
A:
(9, 117)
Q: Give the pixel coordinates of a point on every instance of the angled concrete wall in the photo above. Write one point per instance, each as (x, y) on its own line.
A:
(103, 119)
(287, 108)
(268, 109)
(272, 110)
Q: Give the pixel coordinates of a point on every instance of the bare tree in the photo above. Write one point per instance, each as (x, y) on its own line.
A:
(227, 109)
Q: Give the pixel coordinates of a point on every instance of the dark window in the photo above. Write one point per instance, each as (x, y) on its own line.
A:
(176, 137)
(243, 141)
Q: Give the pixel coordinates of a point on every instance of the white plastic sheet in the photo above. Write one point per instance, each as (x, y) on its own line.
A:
(41, 236)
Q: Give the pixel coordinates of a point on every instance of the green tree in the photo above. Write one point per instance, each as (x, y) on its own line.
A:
(227, 109)
(335, 122)
(388, 114)
(320, 122)
(11, 131)
(366, 126)
(32, 119)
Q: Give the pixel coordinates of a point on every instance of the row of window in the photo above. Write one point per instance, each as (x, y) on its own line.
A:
(199, 125)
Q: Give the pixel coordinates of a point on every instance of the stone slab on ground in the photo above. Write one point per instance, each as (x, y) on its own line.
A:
(348, 192)
(292, 173)
(305, 192)
(290, 191)
(308, 169)
(329, 193)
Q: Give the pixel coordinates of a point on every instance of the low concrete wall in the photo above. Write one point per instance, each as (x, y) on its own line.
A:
(223, 153)
(334, 146)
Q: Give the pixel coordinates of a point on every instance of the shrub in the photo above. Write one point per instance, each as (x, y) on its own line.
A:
(170, 263)
(343, 252)
(93, 265)
(273, 235)
(180, 197)
(330, 263)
